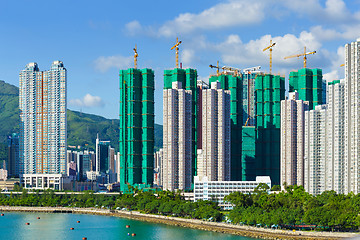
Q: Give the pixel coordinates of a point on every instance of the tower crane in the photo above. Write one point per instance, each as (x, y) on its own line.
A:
(302, 54)
(270, 49)
(135, 57)
(236, 71)
(176, 46)
(217, 68)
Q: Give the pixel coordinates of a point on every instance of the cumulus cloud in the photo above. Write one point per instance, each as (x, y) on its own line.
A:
(234, 52)
(87, 101)
(187, 56)
(133, 27)
(231, 13)
(103, 64)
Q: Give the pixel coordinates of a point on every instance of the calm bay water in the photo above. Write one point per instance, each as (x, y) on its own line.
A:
(57, 226)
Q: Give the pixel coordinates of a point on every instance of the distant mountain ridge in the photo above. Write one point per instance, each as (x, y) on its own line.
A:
(82, 127)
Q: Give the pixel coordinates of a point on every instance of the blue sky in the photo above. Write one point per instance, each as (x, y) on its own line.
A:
(95, 39)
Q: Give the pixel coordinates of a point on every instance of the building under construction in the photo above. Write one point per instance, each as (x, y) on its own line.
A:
(136, 128)
(269, 91)
(309, 84)
(234, 84)
(249, 98)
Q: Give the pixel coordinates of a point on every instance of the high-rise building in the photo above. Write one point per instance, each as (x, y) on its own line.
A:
(176, 167)
(269, 91)
(352, 117)
(188, 79)
(234, 84)
(292, 140)
(136, 128)
(315, 162)
(83, 165)
(42, 104)
(103, 156)
(214, 161)
(335, 144)
(325, 166)
(308, 83)
(13, 163)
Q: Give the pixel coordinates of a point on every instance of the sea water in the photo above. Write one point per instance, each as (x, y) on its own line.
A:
(58, 226)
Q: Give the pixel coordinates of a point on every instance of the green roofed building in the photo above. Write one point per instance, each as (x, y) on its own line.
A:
(234, 84)
(188, 79)
(309, 84)
(136, 128)
(269, 91)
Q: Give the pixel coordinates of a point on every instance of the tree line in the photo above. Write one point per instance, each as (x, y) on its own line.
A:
(161, 202)
(292, 208)
(295, 208)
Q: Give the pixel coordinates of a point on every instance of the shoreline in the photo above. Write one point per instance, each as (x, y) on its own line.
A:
(246, 231)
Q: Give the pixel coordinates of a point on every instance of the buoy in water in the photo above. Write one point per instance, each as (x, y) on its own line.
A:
(78, 221)
(71, 228)
(27, 223)
(84, 238)
(2, 214)
(133, 234)
(128, 234)
(38, 217)
(127, 226)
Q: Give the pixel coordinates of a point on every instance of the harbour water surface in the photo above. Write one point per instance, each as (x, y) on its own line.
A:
(57, 226)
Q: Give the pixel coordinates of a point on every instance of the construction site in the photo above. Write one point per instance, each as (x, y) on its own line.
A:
(254, 114)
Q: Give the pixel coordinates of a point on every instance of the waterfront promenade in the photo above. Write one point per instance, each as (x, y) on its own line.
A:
(248, 231)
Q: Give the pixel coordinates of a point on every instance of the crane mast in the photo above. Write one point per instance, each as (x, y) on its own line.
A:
(176, 46)
(270, 49)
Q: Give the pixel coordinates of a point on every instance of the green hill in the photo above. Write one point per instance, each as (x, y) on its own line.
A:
(82, 127)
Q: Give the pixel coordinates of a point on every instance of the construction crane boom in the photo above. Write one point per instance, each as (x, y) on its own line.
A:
(270, 49)
(217, 68)
(302, 54)
(176, 46)
(135, 57)
(236, 71)
(251, 69)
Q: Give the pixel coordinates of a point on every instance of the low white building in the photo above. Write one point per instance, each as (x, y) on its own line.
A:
(45, 181)
(208, 190)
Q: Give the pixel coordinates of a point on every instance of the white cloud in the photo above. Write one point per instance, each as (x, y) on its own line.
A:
(331, 76)
(103, 64)
(232, 13)
(87, 101)
(235, 52)
(245, 13)
(133, 28)
(187, 56)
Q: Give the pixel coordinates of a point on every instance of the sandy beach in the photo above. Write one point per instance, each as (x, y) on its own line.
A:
(248, 231)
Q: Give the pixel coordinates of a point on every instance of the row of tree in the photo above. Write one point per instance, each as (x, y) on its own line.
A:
(293, 208)
(162, 202)
(296, 208)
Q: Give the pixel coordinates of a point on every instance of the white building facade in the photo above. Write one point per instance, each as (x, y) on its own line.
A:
(292, 140)
(43, 119)
(352, 117)
(315, 163)
(204, 189)
(214, 158)
(335, 133)
(177, 129)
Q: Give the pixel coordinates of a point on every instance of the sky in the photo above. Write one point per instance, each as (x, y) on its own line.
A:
(95, 39)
